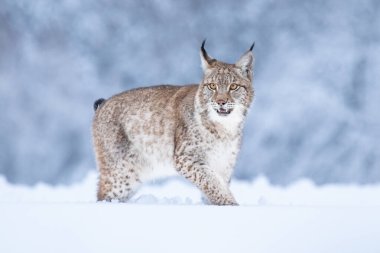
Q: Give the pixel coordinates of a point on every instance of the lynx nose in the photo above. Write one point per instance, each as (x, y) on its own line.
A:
(221, 102)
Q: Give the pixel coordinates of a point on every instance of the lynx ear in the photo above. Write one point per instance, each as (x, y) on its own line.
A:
(245, 63)
(206, 60)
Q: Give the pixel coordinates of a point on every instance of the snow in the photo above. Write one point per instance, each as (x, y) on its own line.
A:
(169, 216)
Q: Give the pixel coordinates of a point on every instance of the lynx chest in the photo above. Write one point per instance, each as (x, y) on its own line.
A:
(221, 156)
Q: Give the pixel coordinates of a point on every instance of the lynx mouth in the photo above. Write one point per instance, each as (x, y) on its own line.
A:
(223, 112)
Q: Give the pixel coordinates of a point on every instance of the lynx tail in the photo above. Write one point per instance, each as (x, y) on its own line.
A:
(98, 103)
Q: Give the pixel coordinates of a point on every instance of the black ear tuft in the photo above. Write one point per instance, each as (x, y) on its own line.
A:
(250, 49)
(206, 60)
(203, 47)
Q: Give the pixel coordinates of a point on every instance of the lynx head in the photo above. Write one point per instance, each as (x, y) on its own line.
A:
(226, 89)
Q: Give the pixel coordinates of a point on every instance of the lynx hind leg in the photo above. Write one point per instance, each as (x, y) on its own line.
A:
(118, 171)
(117, 183)
(216, 191)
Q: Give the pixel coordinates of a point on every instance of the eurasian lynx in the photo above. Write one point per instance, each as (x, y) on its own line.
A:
(194, 130)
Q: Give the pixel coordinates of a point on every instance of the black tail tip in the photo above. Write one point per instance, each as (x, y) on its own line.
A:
(98, 102)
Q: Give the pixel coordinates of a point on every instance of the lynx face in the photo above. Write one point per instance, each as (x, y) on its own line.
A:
(226, 89)
(224, 92)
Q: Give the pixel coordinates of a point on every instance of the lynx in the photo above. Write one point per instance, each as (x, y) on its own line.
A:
(192, 130)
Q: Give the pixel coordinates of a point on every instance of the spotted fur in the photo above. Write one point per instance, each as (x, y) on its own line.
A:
(165, 130)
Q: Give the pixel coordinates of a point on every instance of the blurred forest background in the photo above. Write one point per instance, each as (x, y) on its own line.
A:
(316, 110)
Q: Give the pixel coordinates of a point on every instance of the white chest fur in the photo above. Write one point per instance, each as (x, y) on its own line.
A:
(222, 152)
(222, 156)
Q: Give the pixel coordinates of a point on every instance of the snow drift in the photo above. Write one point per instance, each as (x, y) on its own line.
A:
(169, 216)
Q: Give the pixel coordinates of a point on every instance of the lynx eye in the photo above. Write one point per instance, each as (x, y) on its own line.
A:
(234, 86)
(212, 86)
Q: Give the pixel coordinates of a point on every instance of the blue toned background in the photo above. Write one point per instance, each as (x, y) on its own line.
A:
(317, 73)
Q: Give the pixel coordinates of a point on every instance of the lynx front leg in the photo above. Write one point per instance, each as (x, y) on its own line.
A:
(206, 180)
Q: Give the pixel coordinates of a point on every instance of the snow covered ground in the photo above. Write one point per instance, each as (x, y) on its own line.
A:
(169, 216)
